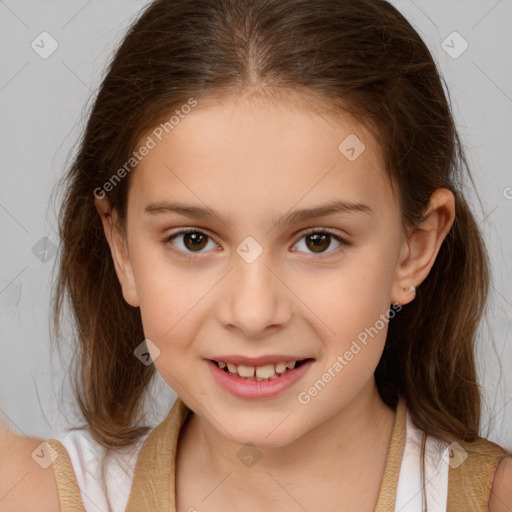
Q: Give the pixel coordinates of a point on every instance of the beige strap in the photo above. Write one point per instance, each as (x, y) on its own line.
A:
(388, 488)
(470, 483)
(70, 497)
(154, 476)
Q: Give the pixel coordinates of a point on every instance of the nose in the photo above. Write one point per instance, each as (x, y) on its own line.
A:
(255, 299)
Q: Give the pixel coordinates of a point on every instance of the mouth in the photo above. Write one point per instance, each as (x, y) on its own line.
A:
(258, 382)
(267, 372)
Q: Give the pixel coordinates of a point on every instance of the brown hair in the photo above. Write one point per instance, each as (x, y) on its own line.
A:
(360, 56)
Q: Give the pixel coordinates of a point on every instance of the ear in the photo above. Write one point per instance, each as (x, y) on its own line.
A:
(119, 250)
(420, 248)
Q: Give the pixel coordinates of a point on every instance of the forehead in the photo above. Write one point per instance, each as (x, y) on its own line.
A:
(249, 153)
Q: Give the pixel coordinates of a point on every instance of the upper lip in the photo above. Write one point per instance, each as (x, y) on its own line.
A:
(258, 361)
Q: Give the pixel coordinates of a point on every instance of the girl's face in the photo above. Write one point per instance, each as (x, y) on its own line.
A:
(252, 180)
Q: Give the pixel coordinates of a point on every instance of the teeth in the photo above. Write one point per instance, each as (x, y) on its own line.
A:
(281, 367)
(259, 373)
(264, 372)
(246, 371)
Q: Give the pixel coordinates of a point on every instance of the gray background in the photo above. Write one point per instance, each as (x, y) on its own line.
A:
(43, 105)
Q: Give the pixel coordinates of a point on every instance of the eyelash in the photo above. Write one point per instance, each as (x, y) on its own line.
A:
(191, 255)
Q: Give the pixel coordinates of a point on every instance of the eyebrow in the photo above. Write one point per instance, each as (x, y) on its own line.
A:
(195, 212)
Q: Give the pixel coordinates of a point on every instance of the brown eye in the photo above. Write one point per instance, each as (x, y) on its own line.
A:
(192, 240)
(320, 241)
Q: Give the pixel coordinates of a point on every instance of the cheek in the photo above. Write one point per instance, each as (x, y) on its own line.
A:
(354, 311)
(353, 296)
(165, 297)
(161, 287)
(170, 320)
(168, 311)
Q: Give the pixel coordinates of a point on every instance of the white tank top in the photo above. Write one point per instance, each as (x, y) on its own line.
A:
(409, 491)
(112, 496)
(103, 489)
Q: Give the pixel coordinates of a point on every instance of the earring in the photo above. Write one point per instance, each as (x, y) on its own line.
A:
(412, 289)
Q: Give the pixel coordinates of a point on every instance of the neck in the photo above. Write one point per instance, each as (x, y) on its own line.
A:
(347, 447)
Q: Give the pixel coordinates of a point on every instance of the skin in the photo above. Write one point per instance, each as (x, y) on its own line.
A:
(253, 160)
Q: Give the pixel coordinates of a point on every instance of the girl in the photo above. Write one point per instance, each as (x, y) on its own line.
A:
(267, 210)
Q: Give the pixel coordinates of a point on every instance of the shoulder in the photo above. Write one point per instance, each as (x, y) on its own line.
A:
(482, 476)
(26, 479)
(501, 492)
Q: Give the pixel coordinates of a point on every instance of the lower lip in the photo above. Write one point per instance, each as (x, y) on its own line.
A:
(245, 388)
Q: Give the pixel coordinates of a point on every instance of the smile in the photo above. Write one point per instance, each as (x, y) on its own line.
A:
(258, 382)
(259, 373)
